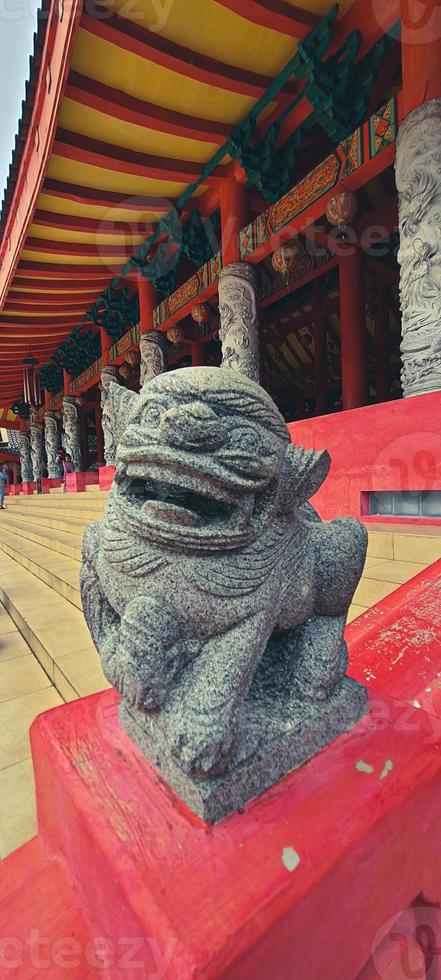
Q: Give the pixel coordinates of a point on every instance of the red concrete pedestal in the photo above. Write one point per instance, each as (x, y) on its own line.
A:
(306, 883)
(106, 474)
(28, 488)
(77, 482)
(47, 485)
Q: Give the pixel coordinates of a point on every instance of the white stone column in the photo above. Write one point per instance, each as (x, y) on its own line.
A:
(38, 452)
(27, 474)
(152, 347)
(239, 324)
(418, 175)
(52, 431)
(72, 431)
(109, 375)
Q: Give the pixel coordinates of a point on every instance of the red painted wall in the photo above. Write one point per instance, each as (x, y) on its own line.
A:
(392, 446)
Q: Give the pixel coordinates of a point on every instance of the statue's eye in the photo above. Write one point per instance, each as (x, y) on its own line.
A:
(245, 439)
(152, 416)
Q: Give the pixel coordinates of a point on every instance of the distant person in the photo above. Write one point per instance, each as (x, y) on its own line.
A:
(67, 467)
(3, 485)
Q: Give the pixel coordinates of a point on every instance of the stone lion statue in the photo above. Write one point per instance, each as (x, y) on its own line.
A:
(210, 574)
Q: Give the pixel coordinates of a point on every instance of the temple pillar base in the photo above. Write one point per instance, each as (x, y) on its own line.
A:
(106, 474)
(77, 482)
(48, 484)
(28, 488)
(15, 490)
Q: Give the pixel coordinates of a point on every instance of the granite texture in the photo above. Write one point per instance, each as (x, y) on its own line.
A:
(38, 451)
(72, 432)
(27, 474)
(152, 347)
(52, 434)
(418, 177)
(109, 375)
(216, 597)
(239, 322)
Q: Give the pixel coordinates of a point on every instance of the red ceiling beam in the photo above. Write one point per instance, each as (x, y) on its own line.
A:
(122, 251)
(55, 62)
(44, 300)
(39, 270)
(152, 46)
(101, 198)
(95, 153)
(69, 222)
(113, 102)
(276, 15)
(60, 286)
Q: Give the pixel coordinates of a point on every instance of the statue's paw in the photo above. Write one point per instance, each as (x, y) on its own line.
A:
(202, 748)
(308, 687)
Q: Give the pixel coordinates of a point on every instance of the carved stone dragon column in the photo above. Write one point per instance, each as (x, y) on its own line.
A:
(108, 375)
(72, 432)
(38, 451)
(418, 175)
(239, 324)
(52, 431)
(152, 346)
(27, 474)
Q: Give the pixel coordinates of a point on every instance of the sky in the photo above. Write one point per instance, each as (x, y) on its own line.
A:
(18, 21)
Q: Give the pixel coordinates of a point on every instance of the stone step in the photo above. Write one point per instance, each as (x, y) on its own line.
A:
(73, 500)
(63, 542)
(85, 515)
(405, 543)
(53, 519)
(53, 628)
(59, 572)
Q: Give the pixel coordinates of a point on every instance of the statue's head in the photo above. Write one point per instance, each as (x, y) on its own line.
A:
(201, 459)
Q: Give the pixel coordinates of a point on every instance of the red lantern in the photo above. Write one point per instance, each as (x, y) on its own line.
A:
(283, 259)
(201, 313)
(342, 208)
(31, 382)
(175, 334)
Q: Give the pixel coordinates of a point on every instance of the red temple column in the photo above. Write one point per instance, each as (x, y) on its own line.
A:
(382, 362)
(354, 367)
(15, 475)
(67, 378)
(148, 300)
(198, 353)
(106, 346)
(47, 400)
(234, 217)
(421, 52)
(320, 355)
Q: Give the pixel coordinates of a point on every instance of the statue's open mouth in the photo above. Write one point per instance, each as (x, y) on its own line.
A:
(191, 512)
(168, 503)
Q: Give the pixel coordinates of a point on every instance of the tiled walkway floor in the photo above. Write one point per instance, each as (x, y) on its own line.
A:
(25, 691)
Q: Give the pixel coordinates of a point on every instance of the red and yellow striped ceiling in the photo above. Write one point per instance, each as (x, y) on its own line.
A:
(153, 88)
